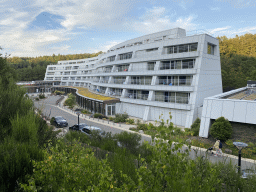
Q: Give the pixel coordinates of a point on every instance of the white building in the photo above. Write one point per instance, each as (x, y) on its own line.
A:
(237, 105)
(152, 75)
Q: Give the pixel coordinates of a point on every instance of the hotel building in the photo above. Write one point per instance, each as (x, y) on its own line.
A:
(150, 75)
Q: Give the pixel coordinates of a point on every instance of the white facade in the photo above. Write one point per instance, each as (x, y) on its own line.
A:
(237, 105)
(152, 75)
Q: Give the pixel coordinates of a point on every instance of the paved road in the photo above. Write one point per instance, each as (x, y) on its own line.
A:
(50, 109)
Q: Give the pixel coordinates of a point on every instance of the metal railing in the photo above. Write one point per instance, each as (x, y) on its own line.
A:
(137, 96)
(174, 82)
(141, 82)
(172, 99)
(119, 81)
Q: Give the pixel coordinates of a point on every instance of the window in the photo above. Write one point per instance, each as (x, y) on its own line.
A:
(112, 58)
(210, 49)
(149, 50)
(165, 65)
(182, 48)
(151, 65)
(125, 56)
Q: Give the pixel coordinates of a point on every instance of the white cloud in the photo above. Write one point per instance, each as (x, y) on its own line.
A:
(16, 17)
(231, 32)
(241, 3)
(105, 46)
(156, 19)
(219, 29)
(215, 8)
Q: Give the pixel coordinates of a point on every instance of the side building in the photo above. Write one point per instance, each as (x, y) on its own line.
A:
(237, 106)
(151, 75)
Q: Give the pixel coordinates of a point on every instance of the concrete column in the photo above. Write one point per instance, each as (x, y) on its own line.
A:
(157, 66)
(154, 80)
(124, 93)
(151, 96)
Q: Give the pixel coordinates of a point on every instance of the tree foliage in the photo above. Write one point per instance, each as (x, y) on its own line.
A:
(221, 129)
(238, 60)
(33, 68)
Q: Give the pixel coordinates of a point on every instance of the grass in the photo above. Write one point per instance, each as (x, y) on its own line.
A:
(85, 92)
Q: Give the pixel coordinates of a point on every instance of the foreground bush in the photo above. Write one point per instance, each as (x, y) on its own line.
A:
(221, 129)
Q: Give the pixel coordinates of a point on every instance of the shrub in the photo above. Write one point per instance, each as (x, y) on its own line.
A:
(52, 120)
(85, 112)
(41, 96)
(131, 141)
(195, 127)
(100, 116)
(130, 121)
(111, 118)
(143, 127)
(37, 99)
(221, 129)
(70, 101)
(120, 117)
(59, 92)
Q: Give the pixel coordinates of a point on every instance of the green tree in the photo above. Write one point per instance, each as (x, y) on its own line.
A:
(221, 129)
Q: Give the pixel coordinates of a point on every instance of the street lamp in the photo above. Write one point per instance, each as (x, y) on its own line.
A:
(78, 113)
(240, 146)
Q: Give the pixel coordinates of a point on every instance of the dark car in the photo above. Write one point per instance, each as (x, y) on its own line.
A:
(76, 127)
(60, 122)
(88, 130)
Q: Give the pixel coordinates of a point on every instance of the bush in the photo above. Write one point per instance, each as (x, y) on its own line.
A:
(130, 121)
(100, 116)
(41, 96)
(131, 141)
(111, 118)
(221, 129)
(121, 117)
(85, 112)
(143, 127)
(59, 92)
(37, 99)
(52, 120)
(70, 101)
(195, 127)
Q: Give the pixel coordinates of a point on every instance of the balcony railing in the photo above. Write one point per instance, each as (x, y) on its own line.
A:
(172, 99)
(103, 81)
(181, 82)
(137, 96)
(119, 81)
(141, 82)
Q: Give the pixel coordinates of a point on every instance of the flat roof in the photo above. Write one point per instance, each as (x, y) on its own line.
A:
(85, 92)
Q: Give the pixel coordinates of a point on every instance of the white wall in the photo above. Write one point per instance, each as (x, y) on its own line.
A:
(242, 111)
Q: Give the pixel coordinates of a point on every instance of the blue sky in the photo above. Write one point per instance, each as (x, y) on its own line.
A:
(30, 28)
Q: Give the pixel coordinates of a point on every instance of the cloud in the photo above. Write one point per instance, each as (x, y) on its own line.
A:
(156, 19)
(17, 17)
(215, 8)
(106, 46)
(231, 32)
(240, 3)
(219, 29)
(183, 3)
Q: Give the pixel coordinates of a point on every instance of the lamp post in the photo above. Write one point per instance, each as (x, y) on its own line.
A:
(78, 113)
(239, 146)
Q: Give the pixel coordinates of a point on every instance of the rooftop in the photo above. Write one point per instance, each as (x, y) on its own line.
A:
(85, 92)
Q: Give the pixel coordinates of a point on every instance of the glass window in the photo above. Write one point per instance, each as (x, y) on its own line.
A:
(210, 49)
(151, 65)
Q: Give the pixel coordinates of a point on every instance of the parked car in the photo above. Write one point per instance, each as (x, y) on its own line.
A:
(77, 128)
(88, 130)
(60, 122)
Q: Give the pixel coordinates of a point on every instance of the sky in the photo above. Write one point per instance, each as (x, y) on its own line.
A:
(31, 28)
